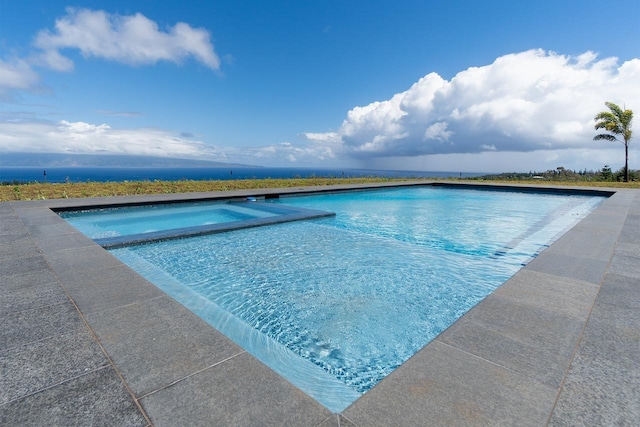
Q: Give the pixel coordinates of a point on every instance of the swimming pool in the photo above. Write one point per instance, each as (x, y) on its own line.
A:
(336, 304)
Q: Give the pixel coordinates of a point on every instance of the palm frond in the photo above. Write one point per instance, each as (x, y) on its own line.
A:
(605, 136)
(615, 109)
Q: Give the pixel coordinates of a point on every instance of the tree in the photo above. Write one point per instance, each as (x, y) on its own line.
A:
(617, 122)
(606, 173)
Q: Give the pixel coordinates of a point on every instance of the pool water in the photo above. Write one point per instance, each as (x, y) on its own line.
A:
(336, 304)
(103, 223)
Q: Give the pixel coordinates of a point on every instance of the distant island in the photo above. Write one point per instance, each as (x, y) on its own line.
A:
(51, 160)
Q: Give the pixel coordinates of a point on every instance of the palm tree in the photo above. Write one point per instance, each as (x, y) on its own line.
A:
(616, 122)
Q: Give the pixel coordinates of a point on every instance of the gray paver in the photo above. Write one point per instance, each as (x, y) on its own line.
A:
(23, 279)
(533, 341)
(239, 391)
(48, 244)
(626, 265)
(27, 326)
(569, 266)
(562, 295)
(44, 363)
(593, 243)
(441, 385)
(96, 398)
(158, 341)
(30, 291)
(107, 288)
(21, 247)
(81, 259)
(17, 265)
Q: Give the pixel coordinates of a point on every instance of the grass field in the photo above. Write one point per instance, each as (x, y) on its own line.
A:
(45, 191)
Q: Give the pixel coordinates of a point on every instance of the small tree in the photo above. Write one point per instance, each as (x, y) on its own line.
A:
(606, 173)
(617, 122)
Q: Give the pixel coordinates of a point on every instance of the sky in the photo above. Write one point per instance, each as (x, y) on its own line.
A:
(440, 85)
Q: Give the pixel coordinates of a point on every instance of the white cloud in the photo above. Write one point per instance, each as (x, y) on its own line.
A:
(87, 138)
(130, 39)
(31, 136)
(521, 102)
(16, 74)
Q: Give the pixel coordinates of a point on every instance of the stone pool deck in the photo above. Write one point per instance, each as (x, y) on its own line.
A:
(84, 340)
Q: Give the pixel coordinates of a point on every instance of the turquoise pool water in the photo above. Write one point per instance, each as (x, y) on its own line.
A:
(336, 304)
(112, 222)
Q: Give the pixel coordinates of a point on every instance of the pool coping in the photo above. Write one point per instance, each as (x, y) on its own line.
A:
(556, 344)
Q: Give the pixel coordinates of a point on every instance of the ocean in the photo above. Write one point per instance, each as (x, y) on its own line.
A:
(109, 174)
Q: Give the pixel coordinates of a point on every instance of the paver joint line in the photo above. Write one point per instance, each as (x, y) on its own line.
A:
(576, 348)
(55, 385)
(104, 351)
(191, 375)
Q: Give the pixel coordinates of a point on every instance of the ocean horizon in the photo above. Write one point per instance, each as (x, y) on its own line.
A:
(27, 174)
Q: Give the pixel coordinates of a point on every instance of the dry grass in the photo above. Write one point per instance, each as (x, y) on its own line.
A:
(45, 191)
(561, 183)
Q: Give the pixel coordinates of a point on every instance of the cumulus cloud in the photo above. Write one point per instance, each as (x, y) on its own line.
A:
(522, 102)
(130, 39)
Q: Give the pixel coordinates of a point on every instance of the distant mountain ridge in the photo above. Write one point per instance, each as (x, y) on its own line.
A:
(51, 160)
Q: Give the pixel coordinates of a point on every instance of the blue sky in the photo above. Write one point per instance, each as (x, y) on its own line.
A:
(417, 85)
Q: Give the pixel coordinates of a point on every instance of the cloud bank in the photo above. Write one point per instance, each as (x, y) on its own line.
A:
(86, 138)
(522, 102)
(25, 136)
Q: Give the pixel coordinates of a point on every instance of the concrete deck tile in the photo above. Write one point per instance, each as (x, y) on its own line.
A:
(39, 217)
(628, 249)
(81, 259)
(441, 385)
(610, 220)
(23, 327)
(10, 224)
(48, 244)
(7, 240)
(626, 265)
(18, 265)
(630, 234)
(22, 247)
(96, 398)
(522, 337)
(30, 291)
(559, 294)
(240, 391)
(620, 291)
(633, 219)
(591, 242)
(41, 364)
(157, 342)
(24, 278)
(598, 392)
(614, 334)
(560, 264)
(106, 289)
(50, 230)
